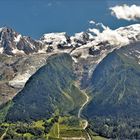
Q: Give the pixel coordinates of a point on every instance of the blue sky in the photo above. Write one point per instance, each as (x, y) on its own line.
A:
(36, 17)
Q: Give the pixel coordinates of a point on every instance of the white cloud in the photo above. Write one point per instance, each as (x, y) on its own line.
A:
(114, 37)
(126, 12)
(94, 30)
(97, 24)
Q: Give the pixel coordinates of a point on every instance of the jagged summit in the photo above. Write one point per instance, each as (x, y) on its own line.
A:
(87, 43)
(12, 43)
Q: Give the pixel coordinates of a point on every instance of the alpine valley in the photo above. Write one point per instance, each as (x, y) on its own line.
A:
(61, 87)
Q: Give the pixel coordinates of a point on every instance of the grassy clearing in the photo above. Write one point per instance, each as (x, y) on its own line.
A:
(39, 124)
(67, 127)
(28, 135)
(54, 132)
(61, 128)
(98, 138)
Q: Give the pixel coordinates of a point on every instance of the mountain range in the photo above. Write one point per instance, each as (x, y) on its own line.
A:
(92, 75)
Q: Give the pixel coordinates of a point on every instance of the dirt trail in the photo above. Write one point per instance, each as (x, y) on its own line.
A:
(83, 105)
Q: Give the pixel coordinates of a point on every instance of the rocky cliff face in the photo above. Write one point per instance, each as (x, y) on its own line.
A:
(83, 44)
(13, 43)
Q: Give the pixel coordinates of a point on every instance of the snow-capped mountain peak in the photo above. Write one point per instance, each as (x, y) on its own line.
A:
(108, 39)
(13, 43)
(93, 41)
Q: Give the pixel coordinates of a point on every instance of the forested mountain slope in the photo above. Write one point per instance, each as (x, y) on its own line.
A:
(115, 91)
(49, 90)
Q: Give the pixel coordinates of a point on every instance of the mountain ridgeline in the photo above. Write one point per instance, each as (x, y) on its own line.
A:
(51, 89)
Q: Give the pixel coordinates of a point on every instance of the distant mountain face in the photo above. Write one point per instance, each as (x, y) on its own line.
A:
(22, 56)
(12, 43)
(84, 43)
(15, 71)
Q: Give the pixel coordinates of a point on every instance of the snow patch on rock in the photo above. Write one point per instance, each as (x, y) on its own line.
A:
(20, 80)
(17, 39)
(1, 50)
